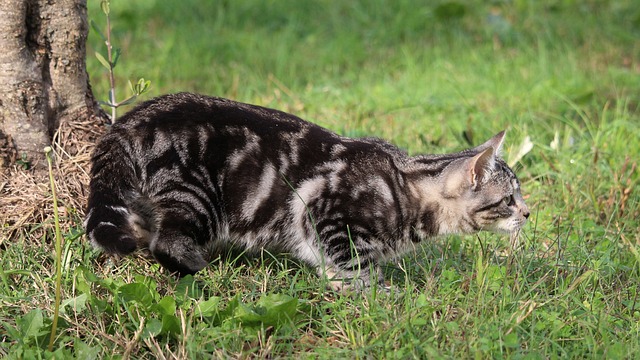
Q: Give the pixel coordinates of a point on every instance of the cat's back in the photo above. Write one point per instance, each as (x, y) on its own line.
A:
(223, 133)
(174, 112)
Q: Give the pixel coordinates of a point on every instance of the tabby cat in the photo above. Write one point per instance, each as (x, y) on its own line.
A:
(187, 175)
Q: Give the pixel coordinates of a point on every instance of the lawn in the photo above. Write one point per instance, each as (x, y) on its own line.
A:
(432, 77)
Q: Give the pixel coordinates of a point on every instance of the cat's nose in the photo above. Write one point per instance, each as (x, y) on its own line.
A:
(524, 210)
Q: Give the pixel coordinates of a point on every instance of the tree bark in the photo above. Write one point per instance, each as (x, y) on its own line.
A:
(43, 77)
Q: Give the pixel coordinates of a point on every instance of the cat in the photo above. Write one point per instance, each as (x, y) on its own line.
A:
(186, 176)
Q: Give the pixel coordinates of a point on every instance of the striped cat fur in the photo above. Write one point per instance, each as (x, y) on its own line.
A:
(187, 176)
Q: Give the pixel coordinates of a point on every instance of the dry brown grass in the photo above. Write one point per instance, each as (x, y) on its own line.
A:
(25, 197)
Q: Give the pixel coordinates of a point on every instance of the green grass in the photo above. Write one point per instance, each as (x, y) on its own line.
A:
(566, 74)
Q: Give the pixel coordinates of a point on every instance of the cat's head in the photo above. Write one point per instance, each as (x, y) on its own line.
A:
(483, 191)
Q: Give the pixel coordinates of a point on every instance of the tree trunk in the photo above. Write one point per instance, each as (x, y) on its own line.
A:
(43, 77)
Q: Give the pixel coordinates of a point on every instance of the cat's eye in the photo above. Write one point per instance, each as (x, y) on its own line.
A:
(509, 200)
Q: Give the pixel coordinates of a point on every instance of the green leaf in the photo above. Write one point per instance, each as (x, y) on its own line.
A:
(87, 274)
(82, 283)
(142, 86)
(104, 5)
(103, 61)
(78, 303)
(279, 306)
(14, 334)
(116, 56)
(101, 305)
(617, 350)
(170, 324)
(248, 315)
(209, 307)
(128, 100)
(270, 310)
(84, 351)
(187, 288)
(31, 324)
(229, 311)
(421, 301)
(166, 306)
(106, 103)
(511, 340)
(74, 233)
(494, 277)
(452, 326)
(152, 329)
(136, 293)
(16, 272)
(131, 88)
(147, 86)
(60, 353)
(96, 28)
(419, 321)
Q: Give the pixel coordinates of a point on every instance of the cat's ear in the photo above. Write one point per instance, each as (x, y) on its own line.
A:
(469, 173)
(479, 166)
(495, 143)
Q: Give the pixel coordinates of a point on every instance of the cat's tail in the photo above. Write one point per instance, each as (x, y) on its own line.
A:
(110, 222)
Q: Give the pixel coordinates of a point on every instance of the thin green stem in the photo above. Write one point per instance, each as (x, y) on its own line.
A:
(112, 79)
(58, 245)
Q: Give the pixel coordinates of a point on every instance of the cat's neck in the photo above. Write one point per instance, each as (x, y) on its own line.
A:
(431, 211)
